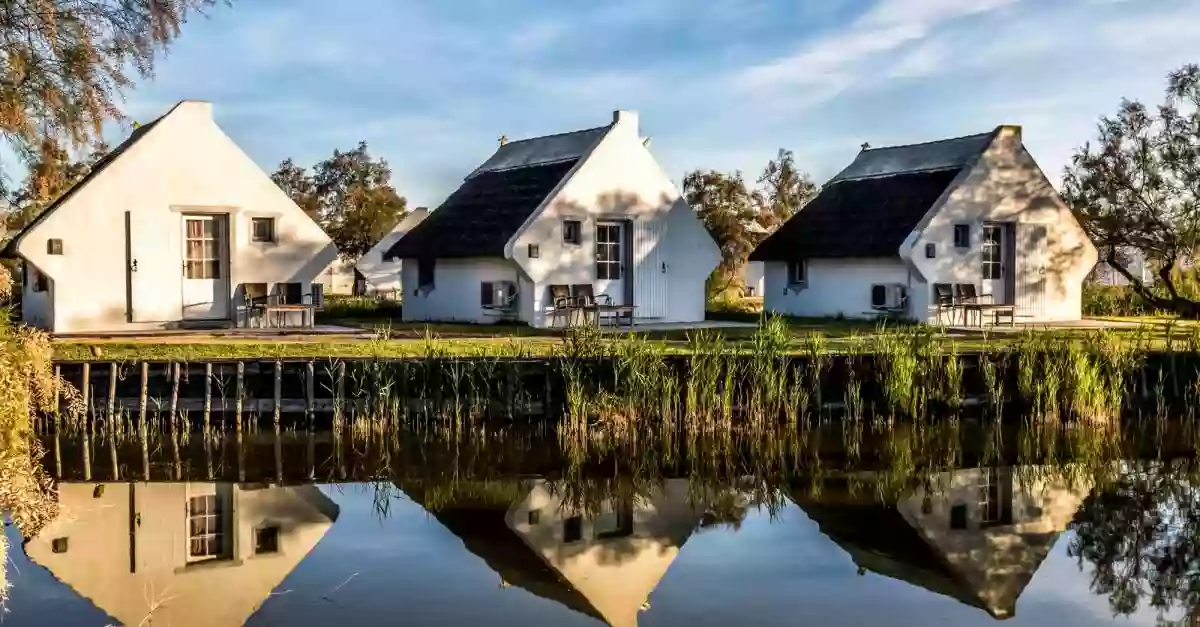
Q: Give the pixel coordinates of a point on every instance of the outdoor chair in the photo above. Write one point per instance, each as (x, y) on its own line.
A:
(256, 299)
(562, 303)
(943, 299)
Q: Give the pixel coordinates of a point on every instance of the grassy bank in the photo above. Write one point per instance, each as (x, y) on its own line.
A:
(418, 340)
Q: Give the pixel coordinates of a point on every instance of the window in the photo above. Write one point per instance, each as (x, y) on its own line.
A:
(202, 259)
(608, 251)
(266, 540)
(206, 538)
(962, 236)
(995, 498)
(535, 516)
(573, 529)
(958, 517)
(930, 251)
(572, 232)
(797, 274)
(992, 252)
(290, 293)
(534, 251)
(425, 274)
(54, 247)
(59, 545)
(262, 229)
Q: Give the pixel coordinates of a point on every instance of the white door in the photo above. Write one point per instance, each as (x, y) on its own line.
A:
(994, 256)
(205, 269)
(1031, 270)
(610, 273)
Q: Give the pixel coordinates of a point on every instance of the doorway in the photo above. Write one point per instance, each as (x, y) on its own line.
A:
(205, 267)
(997, 262)
(610, 261)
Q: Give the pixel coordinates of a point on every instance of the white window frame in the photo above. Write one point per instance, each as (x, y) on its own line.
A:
(206, 526)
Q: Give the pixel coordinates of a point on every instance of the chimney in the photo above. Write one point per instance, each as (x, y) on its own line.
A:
(865, 146)
(1009, 131)
(503, 140)
(627, 119)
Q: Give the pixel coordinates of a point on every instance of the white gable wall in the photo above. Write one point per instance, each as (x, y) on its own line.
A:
(184, 163)
(836, 287)
(384, 276)
(455, 296)
(620, 179)
(1006, 185)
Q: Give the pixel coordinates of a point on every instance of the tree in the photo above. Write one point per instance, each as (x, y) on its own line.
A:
(349, 194)
(296, 183)
(785, 189)
(729, 211)
(1141, 535)
(50, 174)
(66, 63)
(1138, 188)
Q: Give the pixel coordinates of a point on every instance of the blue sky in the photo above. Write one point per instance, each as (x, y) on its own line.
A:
(719, 84)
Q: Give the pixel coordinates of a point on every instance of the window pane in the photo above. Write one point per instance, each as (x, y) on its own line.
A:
(209, 249)
(195, 228)
(195, 249)
(213, 269)
(209, 227)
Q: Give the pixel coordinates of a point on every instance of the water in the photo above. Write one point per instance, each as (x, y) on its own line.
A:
(421, 529)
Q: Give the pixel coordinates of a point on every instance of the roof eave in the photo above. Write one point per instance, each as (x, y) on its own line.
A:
(511, 244)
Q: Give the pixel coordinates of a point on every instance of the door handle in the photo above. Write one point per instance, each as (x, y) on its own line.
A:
(133, 266)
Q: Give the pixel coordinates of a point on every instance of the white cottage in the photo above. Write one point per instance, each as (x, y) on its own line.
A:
(902, 222)
(382, 278)
(590, 208)
(183, 554)
(174, 226)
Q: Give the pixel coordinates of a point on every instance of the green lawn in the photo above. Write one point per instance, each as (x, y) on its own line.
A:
(415, 340)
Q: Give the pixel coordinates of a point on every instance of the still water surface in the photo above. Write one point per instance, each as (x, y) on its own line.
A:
(1026, 544)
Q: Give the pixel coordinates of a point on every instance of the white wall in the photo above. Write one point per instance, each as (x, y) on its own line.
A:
(384, 276)
(184, 163)
(455, 295)
(752, 275)
(102, 540)
(835, 286)
(37, 308)
(337, 277)
(620, 178)
(1006, 185)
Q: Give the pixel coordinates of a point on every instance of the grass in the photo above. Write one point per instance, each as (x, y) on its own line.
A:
(412, 340)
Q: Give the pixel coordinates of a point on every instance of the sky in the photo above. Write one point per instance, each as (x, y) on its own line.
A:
(718, 84)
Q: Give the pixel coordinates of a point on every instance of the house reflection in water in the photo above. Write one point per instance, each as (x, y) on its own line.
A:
(180, 554)
(975, 535)
(604, 565)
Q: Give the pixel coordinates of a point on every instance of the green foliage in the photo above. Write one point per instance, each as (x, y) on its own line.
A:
(349, 194)
(1126, 300)
(359, 307)
(1136, 189)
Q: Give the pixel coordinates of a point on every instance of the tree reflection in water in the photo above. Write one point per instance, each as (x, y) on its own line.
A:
(1140, 533)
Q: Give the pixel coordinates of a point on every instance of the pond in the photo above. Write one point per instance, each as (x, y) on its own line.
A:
(963, 523)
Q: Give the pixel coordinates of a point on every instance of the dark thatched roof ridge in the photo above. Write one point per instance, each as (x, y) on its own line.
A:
(858, 218)
(479, 218)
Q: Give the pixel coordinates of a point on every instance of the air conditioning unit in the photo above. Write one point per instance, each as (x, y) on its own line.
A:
(497, 294)
(889, 296)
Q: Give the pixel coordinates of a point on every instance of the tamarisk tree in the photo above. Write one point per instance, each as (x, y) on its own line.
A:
(1137, 188)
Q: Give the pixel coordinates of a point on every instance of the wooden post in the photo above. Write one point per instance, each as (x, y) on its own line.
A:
(57, 454)
(278, 391)
(112, 453)
(57, 401)
(310, 390)
(241, 380)
(142, 397)
(340, 398)
(111, 412)
(312, 454)
(87, 454)
(174, 394)
(278, 456)
(241, 456)
(207, 397)
(85, 390)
